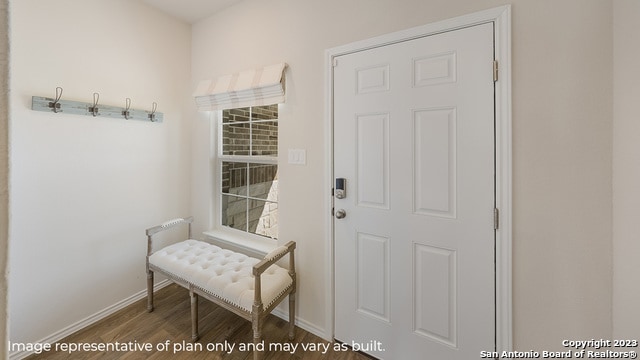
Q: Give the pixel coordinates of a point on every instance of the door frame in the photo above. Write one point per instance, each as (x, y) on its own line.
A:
(501, 17)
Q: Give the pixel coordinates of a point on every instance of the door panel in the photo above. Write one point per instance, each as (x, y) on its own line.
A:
(435, 162)
(372, 160)
(373, 276)
(435, 293)
(414, 255)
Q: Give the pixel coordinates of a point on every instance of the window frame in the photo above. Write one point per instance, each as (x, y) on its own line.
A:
(244, 238)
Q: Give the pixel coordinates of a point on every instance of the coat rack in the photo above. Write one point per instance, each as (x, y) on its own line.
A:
(94, 108)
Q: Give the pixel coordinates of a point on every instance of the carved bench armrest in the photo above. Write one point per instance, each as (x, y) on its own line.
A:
(273, 256)
(270, 259)
(166, 226)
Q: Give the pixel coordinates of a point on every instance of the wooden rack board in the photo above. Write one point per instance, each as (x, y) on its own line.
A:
(39, 103)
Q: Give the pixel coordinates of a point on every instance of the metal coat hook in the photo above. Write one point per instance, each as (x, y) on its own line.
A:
(94, 108)
(55, 105)
(126, 113)
(152, 116)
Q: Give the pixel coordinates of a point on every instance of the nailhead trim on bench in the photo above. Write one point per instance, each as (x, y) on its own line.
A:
(222, 273)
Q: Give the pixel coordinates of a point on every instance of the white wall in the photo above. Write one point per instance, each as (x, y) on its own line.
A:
(626, 170)
(83, 189)
(562, 121)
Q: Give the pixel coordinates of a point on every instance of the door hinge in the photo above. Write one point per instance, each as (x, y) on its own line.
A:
(495, 70)
(496, 219)
(335, 62)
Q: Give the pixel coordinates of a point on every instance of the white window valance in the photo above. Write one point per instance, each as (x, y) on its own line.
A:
(256, 87)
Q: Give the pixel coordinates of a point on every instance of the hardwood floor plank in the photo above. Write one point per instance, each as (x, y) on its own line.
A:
(170, 324)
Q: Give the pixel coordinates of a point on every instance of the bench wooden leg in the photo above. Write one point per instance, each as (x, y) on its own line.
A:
(292, 315)
(194, 315)
(257, 336)
(149, 291)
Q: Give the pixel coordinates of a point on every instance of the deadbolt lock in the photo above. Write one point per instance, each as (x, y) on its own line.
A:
(341, 188)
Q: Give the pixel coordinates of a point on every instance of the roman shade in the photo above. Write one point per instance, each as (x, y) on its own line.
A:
(256, 87)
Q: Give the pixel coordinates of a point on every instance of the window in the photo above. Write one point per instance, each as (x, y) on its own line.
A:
(248, 167)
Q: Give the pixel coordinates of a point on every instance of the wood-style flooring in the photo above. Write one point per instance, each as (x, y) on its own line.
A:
(170, 323)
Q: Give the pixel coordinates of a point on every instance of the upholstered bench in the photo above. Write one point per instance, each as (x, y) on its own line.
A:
(247, 286)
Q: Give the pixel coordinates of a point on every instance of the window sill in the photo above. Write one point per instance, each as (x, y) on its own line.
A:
(255, 247)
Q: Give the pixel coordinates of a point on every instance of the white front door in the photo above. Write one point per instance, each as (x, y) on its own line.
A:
(414, 234)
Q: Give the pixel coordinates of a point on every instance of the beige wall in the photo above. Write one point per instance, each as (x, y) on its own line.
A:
(626, 170)
(562, 117)
(562, 138)
(4, 172)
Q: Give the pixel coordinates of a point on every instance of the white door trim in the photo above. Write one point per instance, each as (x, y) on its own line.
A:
(501, 17)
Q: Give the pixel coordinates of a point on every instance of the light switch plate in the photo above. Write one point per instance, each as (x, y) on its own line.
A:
(298, 156)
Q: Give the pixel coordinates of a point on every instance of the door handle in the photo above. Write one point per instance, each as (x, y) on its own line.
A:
(341, 214)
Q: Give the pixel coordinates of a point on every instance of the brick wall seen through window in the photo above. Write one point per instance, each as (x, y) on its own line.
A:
(249, 170)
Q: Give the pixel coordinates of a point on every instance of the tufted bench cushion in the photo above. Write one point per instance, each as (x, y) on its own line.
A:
(222, 273)
(246, 286)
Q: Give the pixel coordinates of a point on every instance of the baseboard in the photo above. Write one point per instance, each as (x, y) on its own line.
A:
(302, 324)
(55, 337)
